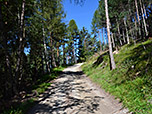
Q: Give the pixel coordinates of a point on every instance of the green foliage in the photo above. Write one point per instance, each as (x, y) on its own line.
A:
(131, 80)
(72, 37)
(40, 87)
(72, 27)
(21, 109)
(82, 52)
(44, 82)
(95, 22)
(25, 61)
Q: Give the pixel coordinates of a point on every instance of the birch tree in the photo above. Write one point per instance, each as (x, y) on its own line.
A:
(112, 62)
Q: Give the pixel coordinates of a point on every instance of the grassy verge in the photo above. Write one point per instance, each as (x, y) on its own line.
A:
(20, 108)
(131, 81)
(40, 87)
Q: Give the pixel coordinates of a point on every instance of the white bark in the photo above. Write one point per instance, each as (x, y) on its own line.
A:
(145, 26)
(119, 33)
(113, 65)
(45, 53)
(128, 41)
(105, 36)
(113, 40)
(102, 36)
(124, 37)
(20, 48)
(135, 23)
(145, 11)
(99, 41)
(136, 4)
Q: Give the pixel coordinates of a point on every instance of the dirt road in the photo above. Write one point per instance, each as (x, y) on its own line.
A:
(74, 93)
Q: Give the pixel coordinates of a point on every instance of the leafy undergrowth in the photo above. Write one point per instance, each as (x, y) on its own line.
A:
(131, 81)
(40, 87)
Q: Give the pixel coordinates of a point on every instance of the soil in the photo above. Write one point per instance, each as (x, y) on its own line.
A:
(74, 93)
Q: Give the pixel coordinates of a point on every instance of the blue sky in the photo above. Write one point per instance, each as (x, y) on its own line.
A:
(81, 14)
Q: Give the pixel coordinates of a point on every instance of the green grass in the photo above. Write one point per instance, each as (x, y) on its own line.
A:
(131, 81)
(21, 108)
(40, 87)
(44, 82)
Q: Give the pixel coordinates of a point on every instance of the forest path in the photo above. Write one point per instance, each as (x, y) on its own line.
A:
(74, 93)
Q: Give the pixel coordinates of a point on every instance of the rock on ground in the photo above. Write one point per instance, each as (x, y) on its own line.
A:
(74, 93)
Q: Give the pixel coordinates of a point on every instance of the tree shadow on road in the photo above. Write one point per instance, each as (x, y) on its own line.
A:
(63, 97)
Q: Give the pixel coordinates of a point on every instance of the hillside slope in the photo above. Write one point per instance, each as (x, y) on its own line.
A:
(131, 81)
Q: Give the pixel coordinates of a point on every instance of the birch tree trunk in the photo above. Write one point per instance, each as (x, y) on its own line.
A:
(145, 11)
(129, 25)
(102, 39)
(20, 48)
(145, 26)
(46, 59)
(74, 55)
(124, 37)
(99, 41)
(135, 26)
(128, 41)
(105, 30)
(102, 36)
(58, 61)
(64, 59)
(113, 65)
(45, 54)
(113, 42)
(136, 4)
(119, 33)
(53, 63)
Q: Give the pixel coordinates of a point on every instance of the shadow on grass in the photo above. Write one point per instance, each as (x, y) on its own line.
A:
(141, 58)
(99, 60)
(137, 65)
